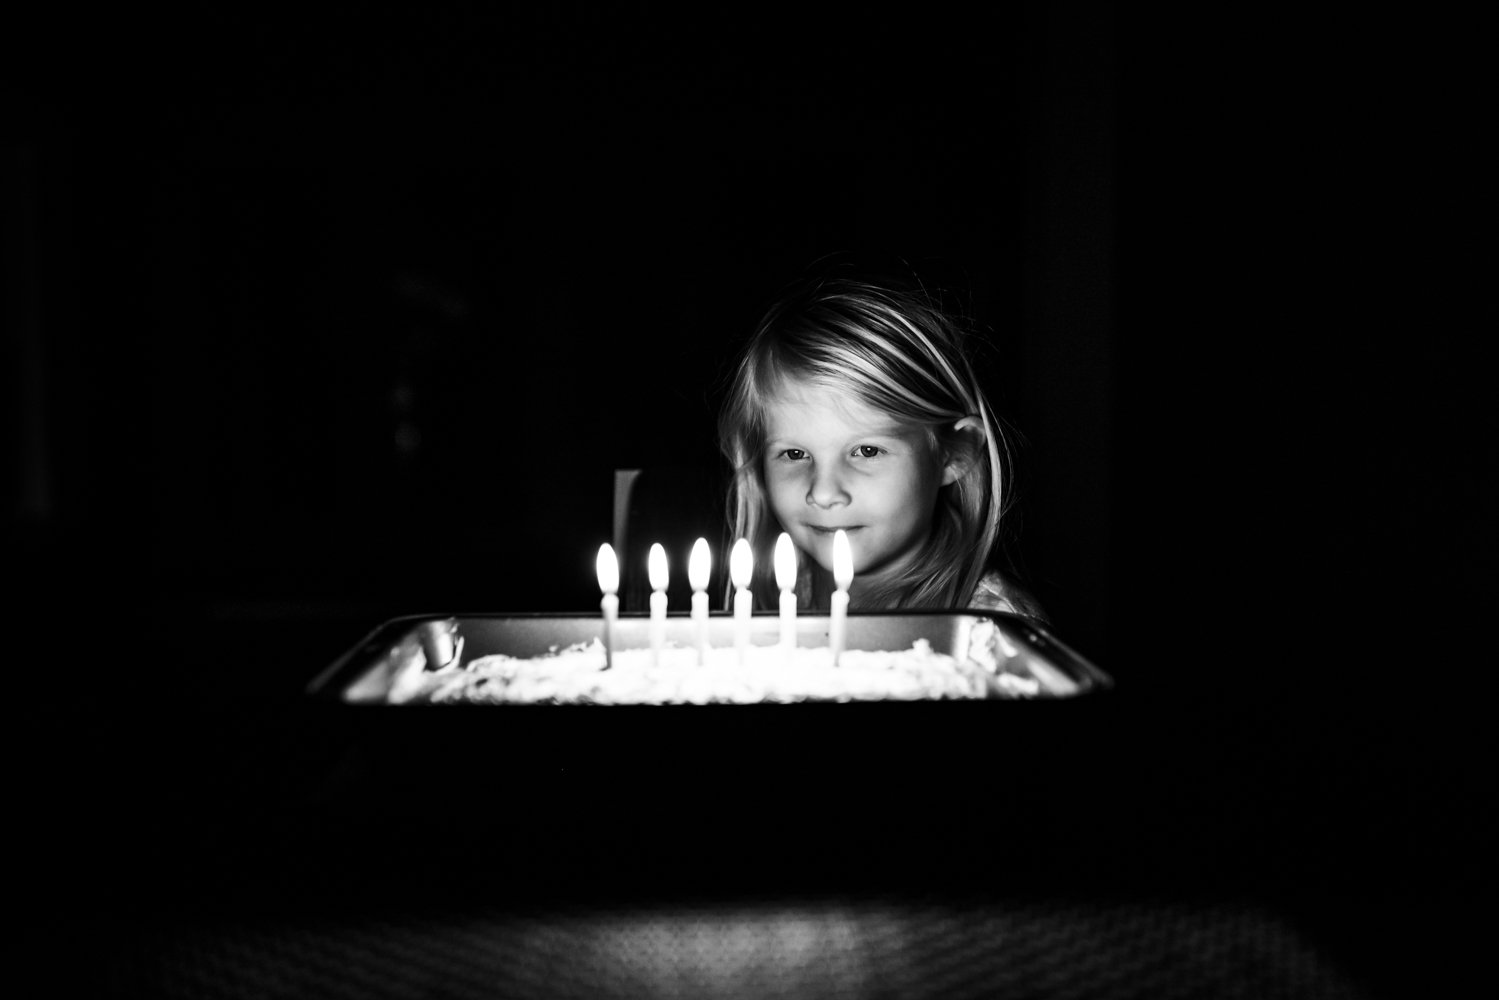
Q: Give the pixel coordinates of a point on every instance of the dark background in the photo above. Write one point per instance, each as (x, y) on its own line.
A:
(311, 323)
(360, 321)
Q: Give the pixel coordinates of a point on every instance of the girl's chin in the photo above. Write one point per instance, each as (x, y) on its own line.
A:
(824, 562)
(820, 549)
(821, 562)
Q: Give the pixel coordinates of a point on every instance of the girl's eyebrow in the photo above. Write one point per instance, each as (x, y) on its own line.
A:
(892, 429)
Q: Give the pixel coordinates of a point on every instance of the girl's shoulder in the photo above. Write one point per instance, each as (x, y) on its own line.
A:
(997, 593)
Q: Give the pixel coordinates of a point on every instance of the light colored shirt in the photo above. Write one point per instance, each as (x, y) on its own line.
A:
(995, 593)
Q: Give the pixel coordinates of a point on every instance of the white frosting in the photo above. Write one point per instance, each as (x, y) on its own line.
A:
(577, 675)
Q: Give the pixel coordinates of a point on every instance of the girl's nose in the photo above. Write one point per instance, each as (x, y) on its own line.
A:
(826, 489)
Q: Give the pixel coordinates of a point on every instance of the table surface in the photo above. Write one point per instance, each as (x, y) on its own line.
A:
(218, 838)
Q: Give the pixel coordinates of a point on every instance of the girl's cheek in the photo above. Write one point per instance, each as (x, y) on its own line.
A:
(784, 473)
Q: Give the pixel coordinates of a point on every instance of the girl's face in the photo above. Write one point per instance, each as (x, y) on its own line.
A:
(832, 462)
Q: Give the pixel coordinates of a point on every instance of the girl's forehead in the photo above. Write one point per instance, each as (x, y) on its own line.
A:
(799, 406)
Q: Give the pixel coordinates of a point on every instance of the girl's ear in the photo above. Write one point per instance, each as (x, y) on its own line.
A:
(965, 445)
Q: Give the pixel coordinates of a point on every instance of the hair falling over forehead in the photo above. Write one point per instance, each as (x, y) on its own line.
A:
(895, 351)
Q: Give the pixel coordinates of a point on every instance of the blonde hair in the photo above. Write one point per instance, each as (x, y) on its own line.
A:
(898, 352)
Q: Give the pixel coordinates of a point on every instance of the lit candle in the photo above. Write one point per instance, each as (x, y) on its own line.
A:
(741, 568)
(785, 563)
(608, 567)
(656, 567)
(843, 575)
(699, 566)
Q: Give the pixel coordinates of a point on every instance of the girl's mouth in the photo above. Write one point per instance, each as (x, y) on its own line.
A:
(819, 530)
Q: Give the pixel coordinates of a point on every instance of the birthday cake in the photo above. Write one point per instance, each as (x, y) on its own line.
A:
(580, 674)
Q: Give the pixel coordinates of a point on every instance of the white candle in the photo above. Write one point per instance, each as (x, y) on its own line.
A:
(608, 569)
(656, 567)
(741, 568)
(843, 575)
(699, 568)
(785, 563)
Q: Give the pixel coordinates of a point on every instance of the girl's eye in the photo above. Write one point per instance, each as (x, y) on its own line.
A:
(867, 451)
(794, 454)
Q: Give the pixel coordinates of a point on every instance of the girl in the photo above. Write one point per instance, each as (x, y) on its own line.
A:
(853, 406)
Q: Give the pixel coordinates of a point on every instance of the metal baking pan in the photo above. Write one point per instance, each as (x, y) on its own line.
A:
(365, 674)
(561, 771)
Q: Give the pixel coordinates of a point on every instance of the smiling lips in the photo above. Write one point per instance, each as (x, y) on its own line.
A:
(828, 531)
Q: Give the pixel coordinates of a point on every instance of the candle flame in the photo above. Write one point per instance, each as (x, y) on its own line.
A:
(699, 565)
(608, 567)
(741, 564)
(785, 562)
(656, 566)
(843, 560)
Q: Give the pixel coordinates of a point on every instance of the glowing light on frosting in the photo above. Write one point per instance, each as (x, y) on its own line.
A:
(656, 567)
(843, 575)
(699, 565)
(608, 569)
(741, 564)
(699, 568)
(741, 569)
(785, 563)
(843, 560)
